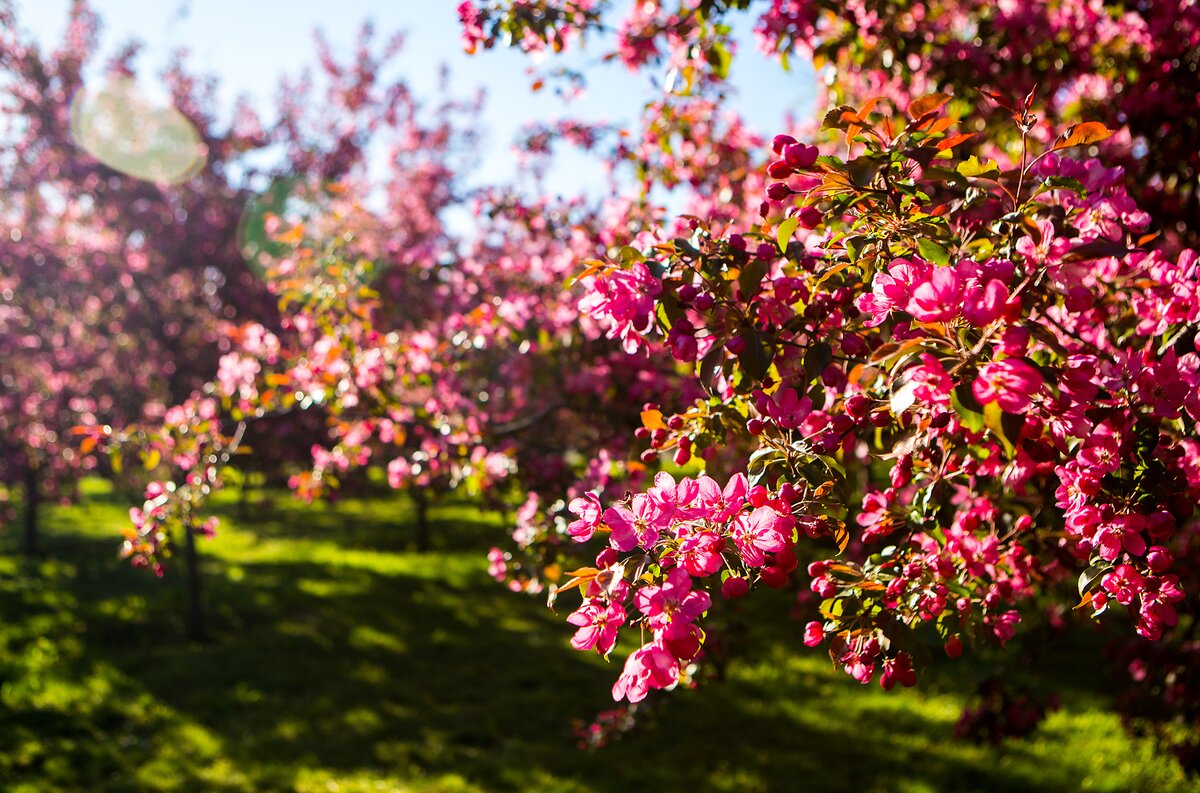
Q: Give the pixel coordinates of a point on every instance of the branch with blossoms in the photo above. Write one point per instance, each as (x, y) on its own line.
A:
(183, 457)
(979, 364)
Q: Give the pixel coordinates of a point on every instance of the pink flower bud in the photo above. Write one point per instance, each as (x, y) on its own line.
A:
(800, 156)
(774, 577)
(781, 142)
(778, 191)
(809, 217)
(780, 170)
(735, 587)
(1159, 559)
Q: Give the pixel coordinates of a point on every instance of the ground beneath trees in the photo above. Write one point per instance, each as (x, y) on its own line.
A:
(341, 661)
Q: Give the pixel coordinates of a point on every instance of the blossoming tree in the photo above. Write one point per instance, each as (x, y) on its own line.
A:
(956, 346)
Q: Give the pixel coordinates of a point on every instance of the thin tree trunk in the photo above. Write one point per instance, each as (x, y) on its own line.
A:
(195, 604)
(33, 500)
(424, 535)
(243, 507)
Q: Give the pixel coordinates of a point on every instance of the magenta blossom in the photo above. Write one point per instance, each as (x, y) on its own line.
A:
(1010, 383)
(650, 666)
(939, 298)
(673, 601)
(587, 507)
(758, 533)
(598, 623)
(639, 526)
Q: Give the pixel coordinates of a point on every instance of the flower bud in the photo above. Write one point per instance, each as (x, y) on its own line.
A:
(1159, 559)
(809, 217)
(780, 170)
(781, 142)
(800, 156)
(778, 191)
(735, 587)
(774, 577)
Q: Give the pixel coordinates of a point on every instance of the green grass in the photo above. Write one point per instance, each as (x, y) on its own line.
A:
(340, 661)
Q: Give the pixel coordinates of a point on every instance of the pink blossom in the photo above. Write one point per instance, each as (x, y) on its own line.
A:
(588, 508)
(937, 298)
(598, 624)
(651, 666)
(638, 526)
(759, 532)
(1011, 383)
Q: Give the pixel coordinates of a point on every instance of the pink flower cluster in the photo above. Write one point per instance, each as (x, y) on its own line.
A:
(690, 530)
(624, 301)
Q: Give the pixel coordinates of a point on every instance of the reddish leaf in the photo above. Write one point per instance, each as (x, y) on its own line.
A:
(927, 104)
(954, 140)
(653, 420)
(1029, 97)
(1084, 134)
(999, 99)
(941, 125)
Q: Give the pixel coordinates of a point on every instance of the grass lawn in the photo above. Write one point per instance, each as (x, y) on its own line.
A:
(340, 661)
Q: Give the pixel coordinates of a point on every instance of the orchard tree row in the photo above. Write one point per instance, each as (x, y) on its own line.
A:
(926, 364)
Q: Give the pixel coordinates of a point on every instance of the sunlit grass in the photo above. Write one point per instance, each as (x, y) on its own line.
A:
(342, 661)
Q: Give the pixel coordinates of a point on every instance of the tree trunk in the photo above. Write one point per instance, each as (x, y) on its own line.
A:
(33, 500)
(195, 604)
(424, 535)
(243, 507)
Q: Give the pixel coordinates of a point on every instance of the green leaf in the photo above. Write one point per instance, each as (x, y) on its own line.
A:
(968, 416)
(816, 358)
(1088, 577)
(755, 359)
(629, 254)
(973, 168)
(904, 397)
(932, 252)
(841, 117)
(719, 58)
(784, 234)
(863, 170)
(993, 417)
(938, 174)
(853, 247)
(751, 276)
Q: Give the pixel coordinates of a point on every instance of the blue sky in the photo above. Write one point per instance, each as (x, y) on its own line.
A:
(249, 44)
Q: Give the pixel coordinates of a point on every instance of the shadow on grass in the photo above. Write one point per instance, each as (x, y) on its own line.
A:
(408, 670)
(361, 523)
